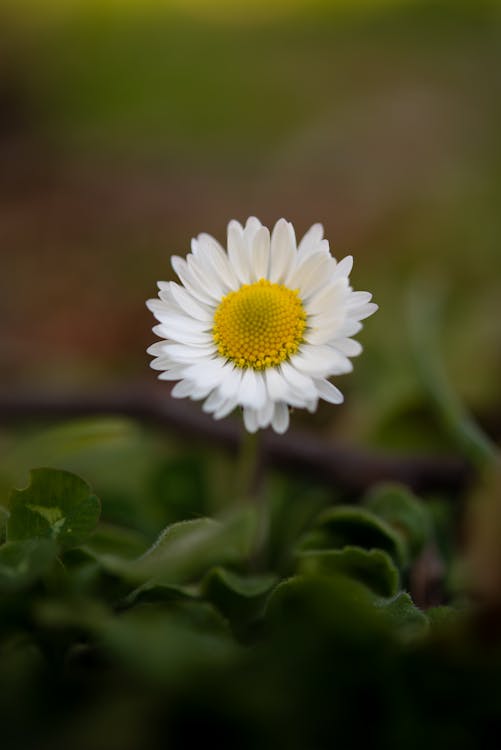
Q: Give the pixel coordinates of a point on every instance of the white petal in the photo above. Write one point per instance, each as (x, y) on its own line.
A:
(252, 389)
(183, 336)
(186, 337)
(343, 268)
(174, 326)
(200, 391)
(225, 408)
(180, 266)
(276, 384)
(300, 382)
(162, 363)
(250, 419)
(329, 392)
(206, 372)
(252, 226)
(310, 275)
(358, 298)
(265, 414)
(324, 333)
(283, 251)
(206, 278)
(310, 240)
(187, 303)
(318, 361)
(312, 405)
(182, 389)
(279, 389)
(349, 347)
(230, 381)
(280, 421)
(213, 402)
(360, 313)
(343, 364)
(173, 373)
(237, 252)
(350, 327)
(327, 298)
(157, 349)
(167, 300)
(219, 261)
(181, 353)
(260, 254)
(164, 286)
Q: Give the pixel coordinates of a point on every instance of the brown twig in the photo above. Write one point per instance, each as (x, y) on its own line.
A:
(350, 468)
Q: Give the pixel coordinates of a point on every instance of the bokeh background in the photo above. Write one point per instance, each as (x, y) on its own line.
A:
(128, 127)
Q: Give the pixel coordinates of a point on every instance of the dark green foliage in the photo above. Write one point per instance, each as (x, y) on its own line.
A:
(374, 568)
(202, 632)
(404, 512)
(56, 505)
(241, 599)
(345, 525)
(22, 563)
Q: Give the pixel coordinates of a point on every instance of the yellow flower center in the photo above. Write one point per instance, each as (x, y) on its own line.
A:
(260, 325)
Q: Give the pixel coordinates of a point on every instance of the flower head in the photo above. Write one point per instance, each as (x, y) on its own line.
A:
(262, 325)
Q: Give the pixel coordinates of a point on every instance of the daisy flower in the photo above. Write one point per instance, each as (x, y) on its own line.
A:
(261, 325)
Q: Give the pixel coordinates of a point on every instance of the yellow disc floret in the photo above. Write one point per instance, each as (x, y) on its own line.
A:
(260, 325)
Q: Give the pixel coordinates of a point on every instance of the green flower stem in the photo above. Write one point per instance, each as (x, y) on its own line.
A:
(250, 487)
(249, 468)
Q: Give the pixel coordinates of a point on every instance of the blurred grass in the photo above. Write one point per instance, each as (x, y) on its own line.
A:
(130, 127)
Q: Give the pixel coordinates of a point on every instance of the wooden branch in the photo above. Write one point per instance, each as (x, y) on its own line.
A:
(350, 468)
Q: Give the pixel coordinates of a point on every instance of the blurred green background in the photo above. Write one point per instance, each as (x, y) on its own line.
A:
(128, 127)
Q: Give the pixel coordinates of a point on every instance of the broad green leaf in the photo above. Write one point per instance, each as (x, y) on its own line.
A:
(64, 444)
(404, 615)
(343, 526)
(408, 515)
(22, 563)
(186, 549)
(117, 540)
(150, 593)
(373, 568)
(56, 505)
(170, 643)
(239, 598)
(337, 603)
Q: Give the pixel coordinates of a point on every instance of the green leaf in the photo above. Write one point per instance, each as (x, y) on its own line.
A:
(373, 568)
(343, 526)
(187, 549)
(239, 598)
(406, 513)
(170, 644)
(404, 615)
(56, 505)
(336, 603)
(22, 563)
(117, 540)
(150, 593)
